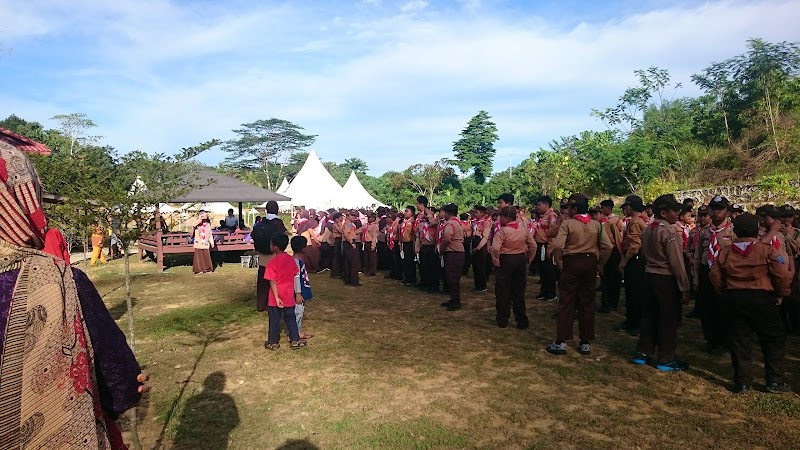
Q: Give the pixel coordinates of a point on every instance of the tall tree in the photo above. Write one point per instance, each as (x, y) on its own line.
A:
(265, 143)
(75, 127)
(357, 165)
(426, 179)
(475, 150)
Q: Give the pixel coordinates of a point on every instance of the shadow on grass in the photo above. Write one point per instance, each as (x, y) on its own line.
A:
(212, 385)
(298, 444)
(121, 308)
(208, 418)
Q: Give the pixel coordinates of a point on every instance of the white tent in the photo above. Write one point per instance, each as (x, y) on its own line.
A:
(312, 187)
(284, 205)
(354, 195)
(212, 207)
(283, 187)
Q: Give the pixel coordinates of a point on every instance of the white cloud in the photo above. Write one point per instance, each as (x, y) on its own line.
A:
(393, 90)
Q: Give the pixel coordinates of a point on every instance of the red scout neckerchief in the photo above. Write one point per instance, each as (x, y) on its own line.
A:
(364, 234)
(514, 225)
(685, 232)
(713, 245)
(477, 224)
(390, 235)
(583, 218)
(743, 248)
(533, 227)
(404, 227)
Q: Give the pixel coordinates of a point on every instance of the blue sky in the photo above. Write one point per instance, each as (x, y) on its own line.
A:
(391, 82)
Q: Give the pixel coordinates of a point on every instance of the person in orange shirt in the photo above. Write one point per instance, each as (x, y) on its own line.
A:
(98, 236)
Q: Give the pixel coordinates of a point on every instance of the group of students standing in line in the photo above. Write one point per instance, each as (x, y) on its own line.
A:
(738, 266)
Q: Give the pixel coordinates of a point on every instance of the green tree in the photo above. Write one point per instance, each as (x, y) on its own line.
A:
(266, 143)
(357, 165)
(475, 150)
(75, 127)
(426, 179)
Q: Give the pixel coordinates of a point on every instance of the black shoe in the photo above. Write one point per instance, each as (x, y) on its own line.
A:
(778, 388)
(540, 297)
(523, 325)
(623, 327)
(742, 389)
(502, 323)
(454, 306)
(476, 290)
(634, 332)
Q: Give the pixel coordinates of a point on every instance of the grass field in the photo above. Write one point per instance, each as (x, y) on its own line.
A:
(390, 369)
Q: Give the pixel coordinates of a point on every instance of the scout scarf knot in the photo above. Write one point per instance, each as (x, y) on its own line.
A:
(514, 225)
(713, 246)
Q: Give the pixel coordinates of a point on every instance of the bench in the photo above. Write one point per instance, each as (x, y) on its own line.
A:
(173, 243)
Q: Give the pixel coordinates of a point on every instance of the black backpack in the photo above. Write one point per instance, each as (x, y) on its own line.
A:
(262, 235)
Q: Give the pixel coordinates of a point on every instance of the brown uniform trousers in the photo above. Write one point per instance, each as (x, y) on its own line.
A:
(351, 264)
(510, 280)
(577, 287)
(453, 267)
(371, 259)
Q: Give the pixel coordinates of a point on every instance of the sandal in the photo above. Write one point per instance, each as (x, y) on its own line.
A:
(296, 345)
(269, 346)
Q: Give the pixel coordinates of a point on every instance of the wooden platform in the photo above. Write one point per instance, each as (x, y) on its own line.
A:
(161, 244)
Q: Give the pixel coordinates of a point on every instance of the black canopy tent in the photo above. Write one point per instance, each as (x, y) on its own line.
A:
(215, 187)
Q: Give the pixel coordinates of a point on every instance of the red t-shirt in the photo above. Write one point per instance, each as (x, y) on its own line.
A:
(55, 244)
(282, 269)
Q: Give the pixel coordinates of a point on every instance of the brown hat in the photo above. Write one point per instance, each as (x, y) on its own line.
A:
(768, 211)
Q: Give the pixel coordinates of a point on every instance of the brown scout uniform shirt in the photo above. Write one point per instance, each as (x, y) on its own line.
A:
(701, 253)
(452, 236)
(762, 269)
(372, 235)
(483, 229)
(408, 233)
(632, 240)
(613, 227)
(512, 241)
(349, 232)
(548, 228)
(575, 238)
(662, 244)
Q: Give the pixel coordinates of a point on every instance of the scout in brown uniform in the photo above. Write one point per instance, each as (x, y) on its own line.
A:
(792, 234)
(406, 234)
(425, 243)
(370, 242)
(480, 247)
(702, 221)
(633, 264)
(350, 252)
(338, 256)
(451, 249)
(466, 224)
(612, 277)
(753, 278)
(584, 249)
(667, 286)
(736, 211)
(393, 243)
(544, 235)
(711, 240)
(512, 251)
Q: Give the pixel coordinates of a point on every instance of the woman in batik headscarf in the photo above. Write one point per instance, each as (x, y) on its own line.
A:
(66, 372)
(203, 241)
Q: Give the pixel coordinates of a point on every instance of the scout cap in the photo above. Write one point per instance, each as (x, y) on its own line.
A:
(768, 211)
(719, 202)
(702, 210)
(666, 202)
(578, 199)
(787, 211)
(737, 208)
(746, 225)
(634, 201)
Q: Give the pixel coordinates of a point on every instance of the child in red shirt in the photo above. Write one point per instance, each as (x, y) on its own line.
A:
(281, 272)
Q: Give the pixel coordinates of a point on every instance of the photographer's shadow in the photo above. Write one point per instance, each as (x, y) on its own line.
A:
(208, 418)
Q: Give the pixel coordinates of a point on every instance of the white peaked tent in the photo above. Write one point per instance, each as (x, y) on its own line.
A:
(284, 205)
(313, 187)
(212, 207)
(283, 187)
(355, 196)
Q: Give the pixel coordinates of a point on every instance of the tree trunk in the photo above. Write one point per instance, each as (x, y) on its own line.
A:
(137, 444)
(771, 120)
(85, 250)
